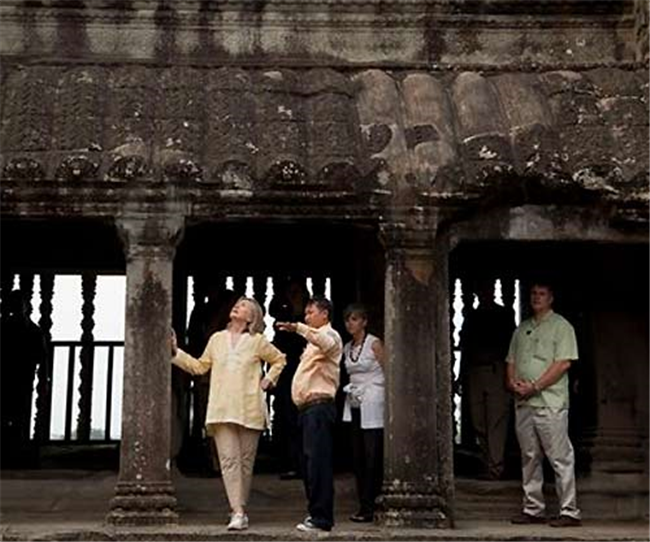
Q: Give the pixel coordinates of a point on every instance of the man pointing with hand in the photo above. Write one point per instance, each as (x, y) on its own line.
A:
(313, 390)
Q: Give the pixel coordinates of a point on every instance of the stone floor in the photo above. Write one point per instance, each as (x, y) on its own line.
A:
(71, 505)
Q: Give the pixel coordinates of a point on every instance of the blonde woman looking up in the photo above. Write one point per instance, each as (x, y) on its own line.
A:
(236, 412)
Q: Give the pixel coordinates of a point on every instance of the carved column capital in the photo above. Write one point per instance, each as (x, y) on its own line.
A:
(154, 237)
(413, 230)
(410, 243)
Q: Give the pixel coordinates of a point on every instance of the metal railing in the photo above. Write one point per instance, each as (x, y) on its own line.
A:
(65, 388)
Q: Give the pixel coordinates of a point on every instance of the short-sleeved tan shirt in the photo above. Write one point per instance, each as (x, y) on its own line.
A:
(534, 346)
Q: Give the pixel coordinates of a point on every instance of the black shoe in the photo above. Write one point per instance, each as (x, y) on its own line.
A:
(308, 526)
(361, 518)
(289, 475)
(526, 519)
(565, 521)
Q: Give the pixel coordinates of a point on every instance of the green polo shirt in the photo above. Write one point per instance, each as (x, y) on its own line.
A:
(534, 346)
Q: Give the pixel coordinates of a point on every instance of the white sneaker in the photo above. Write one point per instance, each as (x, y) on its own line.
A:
(238, 522)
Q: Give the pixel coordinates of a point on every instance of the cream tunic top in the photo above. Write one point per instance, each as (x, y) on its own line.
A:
(235, 395)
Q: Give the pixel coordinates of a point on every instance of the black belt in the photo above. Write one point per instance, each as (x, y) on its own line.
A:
(314, 402)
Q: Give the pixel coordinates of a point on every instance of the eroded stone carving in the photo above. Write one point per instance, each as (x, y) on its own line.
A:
(23, 169)
(127, 168)
(75, 168)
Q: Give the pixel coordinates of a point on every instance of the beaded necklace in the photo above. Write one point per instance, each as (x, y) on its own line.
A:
(354, 359)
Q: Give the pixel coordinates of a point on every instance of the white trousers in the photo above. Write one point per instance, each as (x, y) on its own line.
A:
(544, 431)
(237, 447)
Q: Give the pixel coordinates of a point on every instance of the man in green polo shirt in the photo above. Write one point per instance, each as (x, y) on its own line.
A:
(541, 351)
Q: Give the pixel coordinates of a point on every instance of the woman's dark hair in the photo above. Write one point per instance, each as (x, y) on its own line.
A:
(355, 308)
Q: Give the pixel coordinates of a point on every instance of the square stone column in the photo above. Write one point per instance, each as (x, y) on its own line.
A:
(418, 465)
(144, 494)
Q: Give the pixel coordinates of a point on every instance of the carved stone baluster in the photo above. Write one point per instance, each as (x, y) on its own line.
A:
(6, 284)
(27, 288)
(239, 283)
(318, 284)
(508, 292)
(86, 356)
(259, 289)
(467, 436)
(43, 389)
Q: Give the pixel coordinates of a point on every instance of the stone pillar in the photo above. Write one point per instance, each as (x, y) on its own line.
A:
(418, 467)
(144, 494)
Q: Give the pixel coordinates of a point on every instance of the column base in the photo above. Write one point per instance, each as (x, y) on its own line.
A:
(617, 450)
(411, 505)
(147, 503)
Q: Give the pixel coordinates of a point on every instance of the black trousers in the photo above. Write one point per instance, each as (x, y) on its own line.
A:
(317, 423)
(287, 434)
(367, 462)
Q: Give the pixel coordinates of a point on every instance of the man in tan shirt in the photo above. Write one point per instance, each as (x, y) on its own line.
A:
(313, 389)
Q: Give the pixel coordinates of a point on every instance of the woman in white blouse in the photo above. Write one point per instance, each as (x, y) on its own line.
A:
(236, 413)
(364, 408)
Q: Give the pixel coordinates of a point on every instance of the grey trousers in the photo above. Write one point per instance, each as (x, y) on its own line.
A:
(489, 403)
(545, 431)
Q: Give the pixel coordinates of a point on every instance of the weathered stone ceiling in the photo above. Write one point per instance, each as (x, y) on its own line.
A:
(256, 130)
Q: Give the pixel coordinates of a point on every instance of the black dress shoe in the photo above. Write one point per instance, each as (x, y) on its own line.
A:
(289, 475)
(361, 518)
(527, 519)
(565, 521)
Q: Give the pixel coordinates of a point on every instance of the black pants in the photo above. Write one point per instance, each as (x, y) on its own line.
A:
(317, 423)
(367, 462)
(287, 434)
